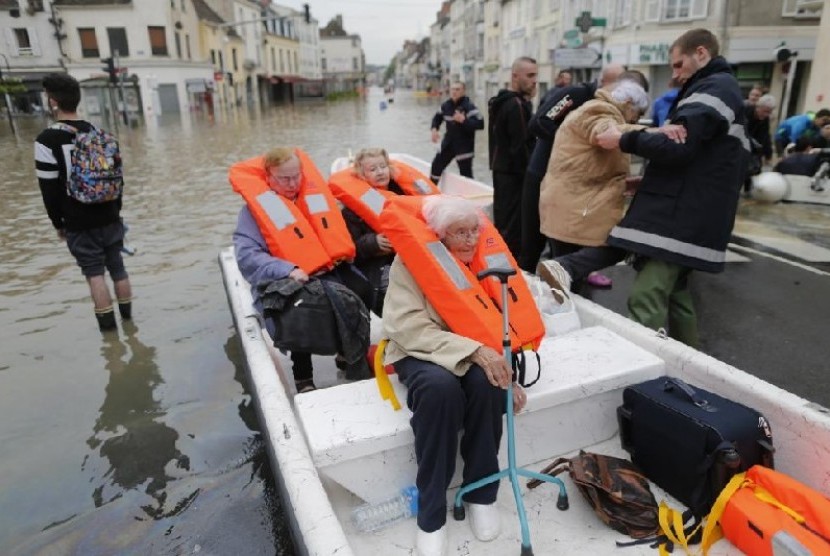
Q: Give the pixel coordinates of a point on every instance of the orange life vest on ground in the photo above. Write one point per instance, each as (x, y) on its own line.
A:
(368, 202)
(310, 232)
(769, 507)
(469, 307)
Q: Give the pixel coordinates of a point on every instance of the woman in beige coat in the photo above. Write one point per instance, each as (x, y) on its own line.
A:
(581, 195)
(453, 383)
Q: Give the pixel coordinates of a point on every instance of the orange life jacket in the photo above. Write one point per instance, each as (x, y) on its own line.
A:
(769, 504)
(368, 202)
(469, 307)
(310, 232)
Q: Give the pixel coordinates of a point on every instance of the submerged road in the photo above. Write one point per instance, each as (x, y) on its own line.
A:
(769, 312)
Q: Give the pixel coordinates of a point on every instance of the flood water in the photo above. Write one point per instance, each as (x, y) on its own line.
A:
(146, 442)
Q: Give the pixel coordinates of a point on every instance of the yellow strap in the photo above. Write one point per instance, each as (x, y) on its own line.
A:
(384, 384)
(712, 532)
(669, 519)
(672, 526)
(765, 496)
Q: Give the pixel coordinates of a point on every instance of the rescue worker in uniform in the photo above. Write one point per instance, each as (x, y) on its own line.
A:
(463, 119)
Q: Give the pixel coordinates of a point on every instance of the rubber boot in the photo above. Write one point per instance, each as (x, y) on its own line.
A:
(125, 308)
(106, 319)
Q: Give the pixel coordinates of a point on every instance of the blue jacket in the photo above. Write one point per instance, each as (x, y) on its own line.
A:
(684, 209)
(256, 263)
(794, 127)
(661, 107)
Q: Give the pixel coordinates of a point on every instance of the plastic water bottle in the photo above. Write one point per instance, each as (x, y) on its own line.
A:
(371, 517)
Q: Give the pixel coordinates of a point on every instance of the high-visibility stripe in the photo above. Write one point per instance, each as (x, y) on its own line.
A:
(712, 102)
(669, 244)
(374, 200)
(47, 174)
(735, 130)
(449, 265)
(316, 203)
(473, 113)
(278, 213)
(464, 156)
(738, 131)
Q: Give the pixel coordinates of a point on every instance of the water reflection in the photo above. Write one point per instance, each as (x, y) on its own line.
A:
(130, 432)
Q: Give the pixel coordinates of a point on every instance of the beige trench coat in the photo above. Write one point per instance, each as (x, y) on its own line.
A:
(415, 329)
(581, 195)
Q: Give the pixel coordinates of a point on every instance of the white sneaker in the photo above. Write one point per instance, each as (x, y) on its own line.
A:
(555, 275)
(484, 521)
(432, 544)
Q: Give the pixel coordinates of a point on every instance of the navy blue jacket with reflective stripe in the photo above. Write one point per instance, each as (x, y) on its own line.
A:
(459, 138)
(684, 209)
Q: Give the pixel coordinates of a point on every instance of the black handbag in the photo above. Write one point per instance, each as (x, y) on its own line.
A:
(303, 317)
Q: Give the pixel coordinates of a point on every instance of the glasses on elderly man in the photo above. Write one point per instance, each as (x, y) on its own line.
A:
(470, 234)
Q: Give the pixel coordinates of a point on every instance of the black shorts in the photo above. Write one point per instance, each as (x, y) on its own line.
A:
(99, 249)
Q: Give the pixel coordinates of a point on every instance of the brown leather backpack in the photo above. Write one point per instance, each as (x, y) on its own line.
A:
(619, 494)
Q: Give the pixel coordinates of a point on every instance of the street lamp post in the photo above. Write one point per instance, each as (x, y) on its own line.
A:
(7, 98)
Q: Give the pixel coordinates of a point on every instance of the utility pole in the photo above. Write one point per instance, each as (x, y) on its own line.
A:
(120, 84)
(8, 100)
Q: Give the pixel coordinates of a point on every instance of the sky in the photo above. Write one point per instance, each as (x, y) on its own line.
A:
(383, 25)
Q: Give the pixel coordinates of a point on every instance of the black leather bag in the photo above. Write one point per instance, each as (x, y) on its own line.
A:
(689, 441)
(303, 316)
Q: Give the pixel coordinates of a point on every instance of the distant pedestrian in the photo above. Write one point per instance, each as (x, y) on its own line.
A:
(801, 162)
(80, 175)
(463, 119)
(757, 131)
(563, 79)
(809, 125)
(510, 146)
(755, 93)
(663, 103)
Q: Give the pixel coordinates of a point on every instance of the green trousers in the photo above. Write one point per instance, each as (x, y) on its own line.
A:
(660, 297)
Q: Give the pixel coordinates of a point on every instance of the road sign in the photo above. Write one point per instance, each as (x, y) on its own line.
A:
(573, 38)
(584, 22)
(576, 58)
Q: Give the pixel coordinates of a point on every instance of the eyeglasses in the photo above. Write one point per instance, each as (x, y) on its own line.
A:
(375, 168)
(465, 235)
(286, 180)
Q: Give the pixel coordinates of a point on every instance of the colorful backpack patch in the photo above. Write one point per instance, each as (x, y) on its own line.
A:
(95, 173)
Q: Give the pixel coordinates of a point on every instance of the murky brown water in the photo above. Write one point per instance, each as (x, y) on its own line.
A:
(147, 442)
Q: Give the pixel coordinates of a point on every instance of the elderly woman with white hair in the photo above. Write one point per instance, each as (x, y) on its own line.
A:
(454, 383)
(582, 193)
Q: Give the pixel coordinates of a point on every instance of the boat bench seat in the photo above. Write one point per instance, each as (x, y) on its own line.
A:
(357, 440)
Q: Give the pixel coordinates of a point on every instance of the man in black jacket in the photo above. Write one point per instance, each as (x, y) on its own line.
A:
(682, 216)
(463, 120)
(510, 146)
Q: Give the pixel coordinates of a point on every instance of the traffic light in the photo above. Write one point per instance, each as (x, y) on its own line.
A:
(109, 67)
